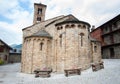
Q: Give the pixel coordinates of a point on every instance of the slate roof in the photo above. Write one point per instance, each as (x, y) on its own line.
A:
(46, 22)
(93, 39)
(6, 44)
(41, 33)
(40, 4)
(72, 19)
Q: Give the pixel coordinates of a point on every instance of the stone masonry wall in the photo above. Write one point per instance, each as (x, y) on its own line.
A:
(5, 54)
(69, 52)
(70, 47)
(33, 56)
(96, 51)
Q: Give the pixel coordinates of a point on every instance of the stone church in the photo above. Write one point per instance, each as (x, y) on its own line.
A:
(60, 43)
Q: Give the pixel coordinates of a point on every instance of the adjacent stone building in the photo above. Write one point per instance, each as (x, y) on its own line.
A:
(15, 58)
(109, 35)
(4, 51)
(15, 54)
(61, 43)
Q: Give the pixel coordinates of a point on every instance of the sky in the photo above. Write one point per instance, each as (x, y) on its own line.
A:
(18, 14)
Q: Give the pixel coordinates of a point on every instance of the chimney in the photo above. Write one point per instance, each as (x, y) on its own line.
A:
(93, 27)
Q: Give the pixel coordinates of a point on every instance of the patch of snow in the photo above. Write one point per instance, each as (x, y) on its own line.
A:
(10, 74)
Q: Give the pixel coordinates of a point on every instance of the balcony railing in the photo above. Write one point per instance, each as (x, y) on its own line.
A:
(112, 44)
(111, 32)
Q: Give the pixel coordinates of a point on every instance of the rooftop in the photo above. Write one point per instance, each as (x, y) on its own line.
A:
(41, 33)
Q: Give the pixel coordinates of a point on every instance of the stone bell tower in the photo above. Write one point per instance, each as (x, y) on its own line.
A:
(39, 12)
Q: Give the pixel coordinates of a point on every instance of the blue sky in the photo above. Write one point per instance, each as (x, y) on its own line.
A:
(18, 14)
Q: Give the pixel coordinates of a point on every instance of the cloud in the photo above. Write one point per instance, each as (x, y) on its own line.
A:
(20, 13)
(95, 12)
(11, 32)
(6, 6)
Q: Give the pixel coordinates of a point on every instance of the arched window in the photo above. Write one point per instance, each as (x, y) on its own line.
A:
(81, 36)
(38, 18)
(79, 25)
(41, 45)
(34, 39)
(95, 48)
(61, 27)
(84, 26)
(38, 40)
(58, 28)
(29, 40)
(67, 26)
(39, 11)
(72, 25)
(43, 39)
(60, 40)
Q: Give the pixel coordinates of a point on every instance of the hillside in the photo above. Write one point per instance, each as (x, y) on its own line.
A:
(17, 47)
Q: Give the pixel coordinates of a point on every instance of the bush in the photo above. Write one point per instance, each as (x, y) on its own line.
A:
(1, 62)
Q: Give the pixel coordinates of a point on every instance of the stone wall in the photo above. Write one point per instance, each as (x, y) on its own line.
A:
(96, 51)
(35, 56)
(14, 57)
(5, 54)
(70, 47)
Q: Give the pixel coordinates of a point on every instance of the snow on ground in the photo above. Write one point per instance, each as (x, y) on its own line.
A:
(10, 74)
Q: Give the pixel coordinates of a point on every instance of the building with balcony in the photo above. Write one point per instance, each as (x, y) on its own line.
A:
(4, 51)
(109, 35)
